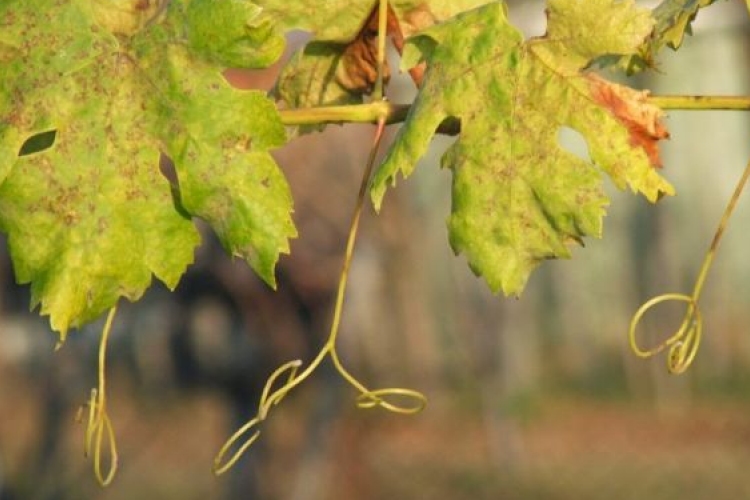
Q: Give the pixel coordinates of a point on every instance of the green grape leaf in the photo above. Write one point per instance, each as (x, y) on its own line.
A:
(220, 144)
(341, 20)
(93, 217)
(233, 33)
(519, 197)
(338, 66)
(124, 17)
(673, 21)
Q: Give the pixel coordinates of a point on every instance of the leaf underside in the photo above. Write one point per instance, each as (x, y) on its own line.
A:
(519, 197)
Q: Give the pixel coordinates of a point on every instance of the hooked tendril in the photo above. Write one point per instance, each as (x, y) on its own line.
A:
(99, 423)
(684, 342)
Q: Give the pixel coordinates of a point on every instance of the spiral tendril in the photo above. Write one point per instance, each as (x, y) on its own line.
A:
(372, 399)
(684, 342)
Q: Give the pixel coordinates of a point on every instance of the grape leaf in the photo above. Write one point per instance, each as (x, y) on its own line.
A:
(518, 196)
(338, 66)
(673, 21)
(341, 20)
(91, 218)
(215, 32)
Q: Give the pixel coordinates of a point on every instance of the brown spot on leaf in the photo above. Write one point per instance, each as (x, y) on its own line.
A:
(419, 18)
(359, 69)
(359, 61)
(631, 108)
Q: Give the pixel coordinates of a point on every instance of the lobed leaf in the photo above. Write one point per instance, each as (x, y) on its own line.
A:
(91, 218)
(519, 197)
(673, 21)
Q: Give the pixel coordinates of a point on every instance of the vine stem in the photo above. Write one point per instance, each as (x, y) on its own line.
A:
(371, 112)
(701, 102)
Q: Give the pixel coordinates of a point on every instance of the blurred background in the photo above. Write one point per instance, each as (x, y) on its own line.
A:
(534, 398)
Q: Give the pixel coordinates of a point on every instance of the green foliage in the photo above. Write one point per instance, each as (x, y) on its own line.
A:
(94, 94)
(118, 86)
(90, 219)
(234, 34)
(325, 71)
(341, 20)
(518, 196)
(673, 20)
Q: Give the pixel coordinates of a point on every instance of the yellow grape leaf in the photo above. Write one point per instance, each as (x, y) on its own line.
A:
(519, 197)
(91, 94)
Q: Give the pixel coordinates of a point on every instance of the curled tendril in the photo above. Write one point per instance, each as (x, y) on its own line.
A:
(249, 433)
(376, 398)
(99, 424)
(368, 398)
(684, 342)
(268, 399)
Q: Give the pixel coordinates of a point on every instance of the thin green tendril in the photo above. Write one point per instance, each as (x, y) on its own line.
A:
(266, 403)
(684, 342)
(99, 424)
(367, 398)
